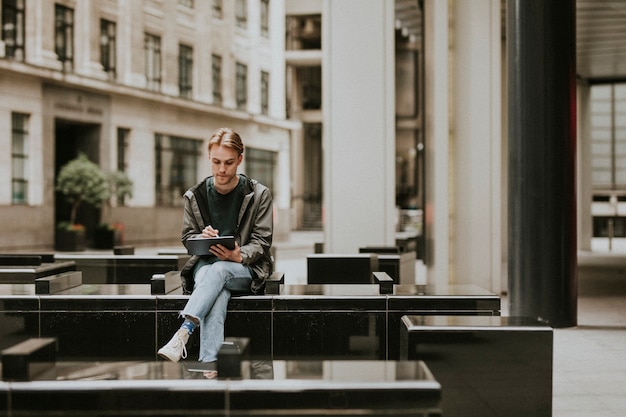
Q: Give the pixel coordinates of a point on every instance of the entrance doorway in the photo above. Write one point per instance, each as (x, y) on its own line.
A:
(71, 139)
(313, 218)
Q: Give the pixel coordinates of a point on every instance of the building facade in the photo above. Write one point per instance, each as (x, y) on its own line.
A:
(137, 86)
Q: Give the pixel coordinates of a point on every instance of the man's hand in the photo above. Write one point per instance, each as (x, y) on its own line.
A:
(225, 254)
(210, 232)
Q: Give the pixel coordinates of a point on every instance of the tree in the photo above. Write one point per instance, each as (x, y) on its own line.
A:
(82, 181)
(120, 188)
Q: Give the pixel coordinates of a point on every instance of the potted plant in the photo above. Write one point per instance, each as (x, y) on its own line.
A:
(81, 182)
(70, 237)
(109, 234)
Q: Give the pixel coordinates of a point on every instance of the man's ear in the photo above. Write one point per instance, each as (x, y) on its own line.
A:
(239, 159)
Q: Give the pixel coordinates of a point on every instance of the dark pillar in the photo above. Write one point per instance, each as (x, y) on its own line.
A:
(542, 160)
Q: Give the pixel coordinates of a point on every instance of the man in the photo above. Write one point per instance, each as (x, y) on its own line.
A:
(225, 203)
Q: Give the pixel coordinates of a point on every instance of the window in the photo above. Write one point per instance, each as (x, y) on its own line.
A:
(304, 32)
(260, 166)
(122, 145)
(311, 79)
(241, 13)
(217, 9)
(608, 136)
(176, 161)
(152, 50)
(19, 158)
(123, 135)
(64, 35)
(107, 47)
(185, 70)
(265, 92)
(241, 85)
(265, 18)
(13, 28)
(216, 67)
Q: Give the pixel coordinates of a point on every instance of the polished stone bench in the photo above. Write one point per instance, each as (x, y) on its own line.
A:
(26, 268)
(325, 268)
(395, 261)
(28, 359)
(16, 259)
(108, 268)
(128, 321)
(57, 283)
(358, 268)
(487, 366)
(268, 387)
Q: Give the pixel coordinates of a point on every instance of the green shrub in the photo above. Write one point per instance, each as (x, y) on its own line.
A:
(82, 181)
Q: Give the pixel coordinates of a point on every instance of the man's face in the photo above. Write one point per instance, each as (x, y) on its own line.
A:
(224, 163)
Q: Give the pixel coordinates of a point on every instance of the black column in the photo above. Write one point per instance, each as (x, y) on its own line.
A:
(542, 160)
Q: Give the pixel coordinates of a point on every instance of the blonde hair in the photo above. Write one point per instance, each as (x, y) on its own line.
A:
(227, 138)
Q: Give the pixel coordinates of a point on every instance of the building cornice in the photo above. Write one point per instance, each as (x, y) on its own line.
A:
(98, 86)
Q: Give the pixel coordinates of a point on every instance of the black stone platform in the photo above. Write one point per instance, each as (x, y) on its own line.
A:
(394, 261)
(269, 387)
(20, 273)
(359, 268)
(108, 268)
(127, 322)
(487, 366)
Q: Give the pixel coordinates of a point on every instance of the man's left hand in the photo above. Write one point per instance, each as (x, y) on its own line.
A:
(225, 254)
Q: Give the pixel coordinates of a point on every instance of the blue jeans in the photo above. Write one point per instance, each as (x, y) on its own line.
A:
(209, 301)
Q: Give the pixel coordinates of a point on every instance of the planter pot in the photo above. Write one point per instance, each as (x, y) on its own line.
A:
(105, 238)
(69, 240)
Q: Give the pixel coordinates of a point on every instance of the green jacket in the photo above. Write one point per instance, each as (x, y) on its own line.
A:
(255, 225)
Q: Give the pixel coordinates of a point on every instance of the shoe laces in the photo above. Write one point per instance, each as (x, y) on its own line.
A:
(180, 344)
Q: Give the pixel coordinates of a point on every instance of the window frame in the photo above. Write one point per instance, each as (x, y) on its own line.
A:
(123, 135)
(216, 77)
(153, 61)
(14, 15)
(185, 70)
(173, 179)
(108, 47)
(265, 92)
(64, 35)
(241, 14)
(241, 86)
(258, 161)
(608, 137)
(19, 171)
(265, 18)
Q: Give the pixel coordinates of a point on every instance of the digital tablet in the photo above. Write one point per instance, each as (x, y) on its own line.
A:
(201, 245)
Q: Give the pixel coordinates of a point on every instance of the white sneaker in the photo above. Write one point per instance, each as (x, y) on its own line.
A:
(175, 349)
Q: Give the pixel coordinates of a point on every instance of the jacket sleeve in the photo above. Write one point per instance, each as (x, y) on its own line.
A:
(262, 227)
(191, 227)
(256, 249)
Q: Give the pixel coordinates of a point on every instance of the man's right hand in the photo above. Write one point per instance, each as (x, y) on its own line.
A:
(210, 232)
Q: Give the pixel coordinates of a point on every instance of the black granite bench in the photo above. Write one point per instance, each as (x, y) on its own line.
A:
(358, 268)
(109, 268)
(25, 259)
(26, 268)
(313, 388)
(341, 268)
(487, 366)
(58, 283)
(395, 261)
(128, 321)
(28, 359)
(359, 319)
